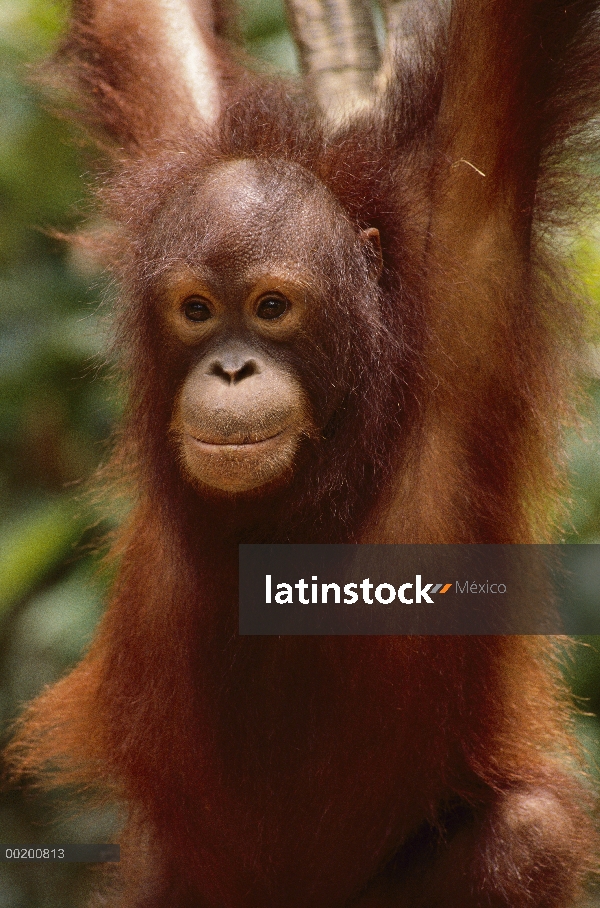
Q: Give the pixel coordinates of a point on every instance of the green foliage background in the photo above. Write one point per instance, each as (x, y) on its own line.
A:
(57, 408)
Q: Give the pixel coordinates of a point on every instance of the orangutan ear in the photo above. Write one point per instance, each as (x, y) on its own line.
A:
(372, 242)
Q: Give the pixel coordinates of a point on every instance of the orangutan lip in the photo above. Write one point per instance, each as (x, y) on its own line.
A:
(233, 446)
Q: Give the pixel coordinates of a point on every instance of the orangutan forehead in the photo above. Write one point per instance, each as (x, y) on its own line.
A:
(245, 210)
(280, 192)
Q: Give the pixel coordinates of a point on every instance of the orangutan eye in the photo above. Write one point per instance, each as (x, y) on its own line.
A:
(196, 309)
(272, 307)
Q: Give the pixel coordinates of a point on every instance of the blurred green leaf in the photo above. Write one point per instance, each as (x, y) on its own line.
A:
(32, 544)
(261, 18)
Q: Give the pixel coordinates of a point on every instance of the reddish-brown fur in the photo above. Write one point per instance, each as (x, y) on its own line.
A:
(330, 772)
